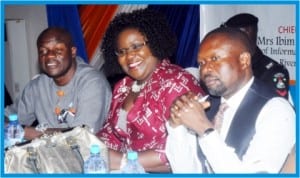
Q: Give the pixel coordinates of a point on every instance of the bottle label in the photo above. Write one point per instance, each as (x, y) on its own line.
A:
(14, 135)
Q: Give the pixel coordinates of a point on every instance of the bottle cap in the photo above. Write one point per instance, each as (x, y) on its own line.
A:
(132, 155)
(95, 149)
(13, 117)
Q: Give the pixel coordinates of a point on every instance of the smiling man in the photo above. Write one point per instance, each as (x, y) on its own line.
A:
(68, 92)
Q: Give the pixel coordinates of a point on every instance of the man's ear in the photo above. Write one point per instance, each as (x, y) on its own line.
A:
(73, 51)
(245, 60)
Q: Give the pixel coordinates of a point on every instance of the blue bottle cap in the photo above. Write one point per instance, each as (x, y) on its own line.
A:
(132, 155)
(13, 117)
(95, 149)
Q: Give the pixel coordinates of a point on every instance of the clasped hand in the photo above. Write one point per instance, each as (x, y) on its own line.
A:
(188, 111)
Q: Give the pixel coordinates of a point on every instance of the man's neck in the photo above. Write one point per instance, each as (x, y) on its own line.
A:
(65, 79)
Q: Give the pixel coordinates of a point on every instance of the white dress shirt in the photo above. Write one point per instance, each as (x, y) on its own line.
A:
(267, 151)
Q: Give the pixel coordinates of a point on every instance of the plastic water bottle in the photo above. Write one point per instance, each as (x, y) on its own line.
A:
(133, 166)
(14, 132)
(95, 163)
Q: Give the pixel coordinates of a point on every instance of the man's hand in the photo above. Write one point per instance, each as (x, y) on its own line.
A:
(31, 133)
(188, 111)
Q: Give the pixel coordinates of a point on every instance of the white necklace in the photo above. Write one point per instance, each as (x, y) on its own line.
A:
(136, 87)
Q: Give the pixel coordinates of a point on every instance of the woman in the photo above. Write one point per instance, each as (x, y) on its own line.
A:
(140, 43)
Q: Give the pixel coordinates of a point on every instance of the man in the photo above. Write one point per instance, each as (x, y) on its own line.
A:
(263, 67)
(68, 93)
(258, 127)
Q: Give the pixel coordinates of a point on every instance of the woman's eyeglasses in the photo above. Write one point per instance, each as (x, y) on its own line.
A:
(132, 48)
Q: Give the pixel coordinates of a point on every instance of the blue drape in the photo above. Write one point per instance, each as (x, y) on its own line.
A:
(67, 16)
(184, 20)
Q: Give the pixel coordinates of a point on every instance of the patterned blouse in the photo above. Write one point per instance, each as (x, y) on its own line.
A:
(145, 127)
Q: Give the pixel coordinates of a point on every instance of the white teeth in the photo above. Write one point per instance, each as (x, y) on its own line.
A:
(51, 64)
(135, 64)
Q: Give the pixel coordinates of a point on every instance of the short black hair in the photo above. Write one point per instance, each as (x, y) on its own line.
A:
(241, 20)
(233, 34)
(152, 24)
(61, 35)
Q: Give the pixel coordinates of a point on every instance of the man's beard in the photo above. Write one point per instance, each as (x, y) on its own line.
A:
(217, 91)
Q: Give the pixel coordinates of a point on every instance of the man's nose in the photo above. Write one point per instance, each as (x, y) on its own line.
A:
(207, 67)
(51, 54)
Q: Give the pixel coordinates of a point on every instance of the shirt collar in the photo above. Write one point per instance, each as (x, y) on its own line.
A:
(236, 99)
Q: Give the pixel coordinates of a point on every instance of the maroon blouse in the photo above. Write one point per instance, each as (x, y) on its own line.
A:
(146, 120)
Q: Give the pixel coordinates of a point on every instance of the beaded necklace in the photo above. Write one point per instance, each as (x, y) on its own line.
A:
(137, 87)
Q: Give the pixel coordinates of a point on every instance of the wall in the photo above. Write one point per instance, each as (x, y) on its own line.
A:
(16, 59)
(35, 21)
